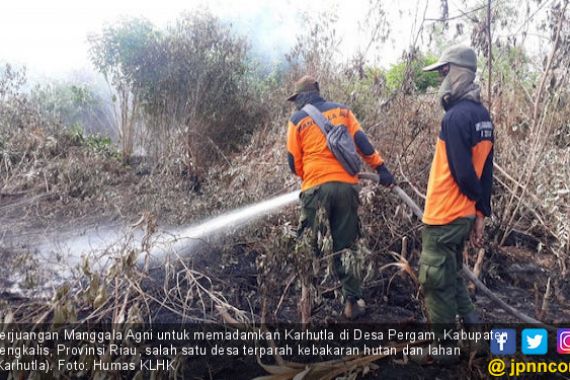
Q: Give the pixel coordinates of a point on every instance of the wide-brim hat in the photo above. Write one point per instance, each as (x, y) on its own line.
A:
(306, 83)
(458, 55)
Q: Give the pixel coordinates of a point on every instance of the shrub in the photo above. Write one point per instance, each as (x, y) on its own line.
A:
(73, 104)
(191, 83)
(421, 80)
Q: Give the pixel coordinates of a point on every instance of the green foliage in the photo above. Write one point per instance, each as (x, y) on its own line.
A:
(266, 80)
(96, 143)
(421, 80)
(75, 134)
(68, 103)
(123, 52)
(511, 64)
(102, 144)
(120, 51)
(193, 78)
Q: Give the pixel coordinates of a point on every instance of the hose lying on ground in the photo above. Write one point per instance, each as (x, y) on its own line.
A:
(466, 271)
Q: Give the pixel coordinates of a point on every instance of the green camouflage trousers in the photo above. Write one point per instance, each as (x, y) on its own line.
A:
(333, 206)
(441, 260)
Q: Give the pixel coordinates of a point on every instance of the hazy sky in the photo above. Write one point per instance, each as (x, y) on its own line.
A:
(50, 36)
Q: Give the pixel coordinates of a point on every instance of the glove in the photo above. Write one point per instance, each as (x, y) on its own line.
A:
(385, 178)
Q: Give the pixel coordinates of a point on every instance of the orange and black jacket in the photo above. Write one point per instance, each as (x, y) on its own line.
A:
(308, 154)
(461, 176)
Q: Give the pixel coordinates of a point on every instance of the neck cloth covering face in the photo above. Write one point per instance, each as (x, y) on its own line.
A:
(458, 85)
(306, 97)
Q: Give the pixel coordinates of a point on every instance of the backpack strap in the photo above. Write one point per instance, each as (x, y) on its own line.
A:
(318, 117)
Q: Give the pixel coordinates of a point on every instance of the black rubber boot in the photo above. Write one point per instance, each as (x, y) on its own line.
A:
(472, 322)
(471, 318)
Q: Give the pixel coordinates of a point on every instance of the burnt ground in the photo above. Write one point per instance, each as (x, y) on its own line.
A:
(518, 274)
(398, 303)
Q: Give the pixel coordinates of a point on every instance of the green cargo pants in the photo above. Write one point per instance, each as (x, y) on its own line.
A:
(441, 260)
(333, 205)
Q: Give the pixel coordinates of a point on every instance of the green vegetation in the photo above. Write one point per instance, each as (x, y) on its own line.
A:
(192, 82)
(397, 74)
(95, 142)
(73, 104)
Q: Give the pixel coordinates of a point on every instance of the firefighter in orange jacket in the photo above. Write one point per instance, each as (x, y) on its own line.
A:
(328, 190)
(459, 189)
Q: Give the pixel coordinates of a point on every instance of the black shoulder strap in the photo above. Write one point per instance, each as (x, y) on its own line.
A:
(318, 117)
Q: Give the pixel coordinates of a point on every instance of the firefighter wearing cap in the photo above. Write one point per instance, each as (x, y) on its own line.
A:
(459, 188)
(328, 192)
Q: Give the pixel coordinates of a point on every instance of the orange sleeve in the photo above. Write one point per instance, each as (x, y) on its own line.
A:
(353, 124)
(363, 145)
(294, 149)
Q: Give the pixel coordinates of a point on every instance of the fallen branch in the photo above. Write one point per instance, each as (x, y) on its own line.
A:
(523, 317)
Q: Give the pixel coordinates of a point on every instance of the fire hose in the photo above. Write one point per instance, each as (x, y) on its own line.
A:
(466, 271)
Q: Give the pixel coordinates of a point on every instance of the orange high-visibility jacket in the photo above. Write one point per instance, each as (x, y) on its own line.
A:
(461, 176)
(308, 154)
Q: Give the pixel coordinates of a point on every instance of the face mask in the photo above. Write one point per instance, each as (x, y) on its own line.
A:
(304, 97)
(458, 84)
